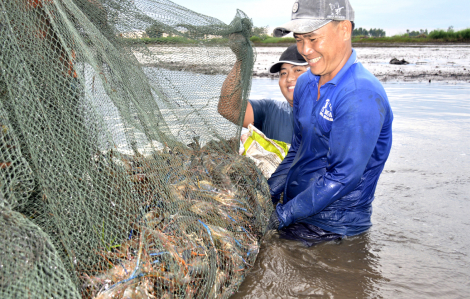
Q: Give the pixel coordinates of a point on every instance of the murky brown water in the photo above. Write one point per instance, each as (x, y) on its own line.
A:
(419, 244)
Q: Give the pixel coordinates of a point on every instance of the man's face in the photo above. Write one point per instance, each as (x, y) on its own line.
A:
(324, 49)
(288, 78)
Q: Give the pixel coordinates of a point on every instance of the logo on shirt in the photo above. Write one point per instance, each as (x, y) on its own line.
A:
(335, 11)
(326, 111)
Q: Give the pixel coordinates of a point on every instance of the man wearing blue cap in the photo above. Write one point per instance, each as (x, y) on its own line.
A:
(274, 118)
(342, 131)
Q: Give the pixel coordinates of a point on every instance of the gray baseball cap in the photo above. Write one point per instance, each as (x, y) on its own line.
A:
(310, 15)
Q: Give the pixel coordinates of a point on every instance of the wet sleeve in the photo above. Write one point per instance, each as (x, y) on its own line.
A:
(277, 181)
(358, 120)
(260, 108)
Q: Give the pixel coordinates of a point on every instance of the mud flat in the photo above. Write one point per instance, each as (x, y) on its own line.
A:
(444, 63)
(435, 62)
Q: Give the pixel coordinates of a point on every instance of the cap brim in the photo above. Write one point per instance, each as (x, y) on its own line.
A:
(277, 66)
(300, 26)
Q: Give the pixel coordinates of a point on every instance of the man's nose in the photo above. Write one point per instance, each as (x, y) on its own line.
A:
(291, 76)
(305, 49)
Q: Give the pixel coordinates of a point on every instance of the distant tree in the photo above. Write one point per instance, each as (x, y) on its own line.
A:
(360, 32)
(154, 31)
(450, 29)
(420, 33)
(258, 31)
(261, 32)
(376, 32)
(373, 32)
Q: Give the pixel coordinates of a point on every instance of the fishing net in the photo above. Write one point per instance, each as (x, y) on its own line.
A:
(30, 267)
(119, 179)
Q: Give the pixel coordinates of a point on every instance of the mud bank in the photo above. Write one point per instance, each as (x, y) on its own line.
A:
(444, 63)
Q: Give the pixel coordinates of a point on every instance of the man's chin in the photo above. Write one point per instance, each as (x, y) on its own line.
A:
(317, 73)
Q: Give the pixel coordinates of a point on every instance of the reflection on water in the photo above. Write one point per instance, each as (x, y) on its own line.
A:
(287, 269)
(443, 101)
(418, 245)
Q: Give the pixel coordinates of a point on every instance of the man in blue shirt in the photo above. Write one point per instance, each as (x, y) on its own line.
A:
(274, 118)
(342, 131)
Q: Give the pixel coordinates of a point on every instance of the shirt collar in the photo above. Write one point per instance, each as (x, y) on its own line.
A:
(352, 60)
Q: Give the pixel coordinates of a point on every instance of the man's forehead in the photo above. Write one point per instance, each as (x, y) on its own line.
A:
(286, 66)
(306, 35)
(322, 30)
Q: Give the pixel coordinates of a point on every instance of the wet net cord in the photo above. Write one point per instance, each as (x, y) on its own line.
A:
(119, 178)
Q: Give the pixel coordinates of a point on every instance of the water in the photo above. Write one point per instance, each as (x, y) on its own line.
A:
(419, 244)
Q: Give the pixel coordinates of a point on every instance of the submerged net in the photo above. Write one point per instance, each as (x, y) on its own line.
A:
(119, 179)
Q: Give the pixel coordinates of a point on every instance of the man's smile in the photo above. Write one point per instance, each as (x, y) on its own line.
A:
(314, 60)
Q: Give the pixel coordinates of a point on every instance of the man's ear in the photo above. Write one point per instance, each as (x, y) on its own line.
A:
(346, 29)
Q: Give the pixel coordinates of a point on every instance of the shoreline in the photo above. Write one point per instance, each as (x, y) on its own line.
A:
(408, 45)
(378, 44)
(427, 62)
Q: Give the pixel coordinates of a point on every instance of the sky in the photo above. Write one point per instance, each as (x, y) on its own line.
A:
(393, 16)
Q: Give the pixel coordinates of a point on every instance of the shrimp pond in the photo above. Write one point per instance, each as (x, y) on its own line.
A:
(418, 244)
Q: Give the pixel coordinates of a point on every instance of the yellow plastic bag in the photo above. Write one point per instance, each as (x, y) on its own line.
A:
(266, 153)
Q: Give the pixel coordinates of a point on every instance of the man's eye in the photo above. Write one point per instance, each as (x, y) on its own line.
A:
(283, 73)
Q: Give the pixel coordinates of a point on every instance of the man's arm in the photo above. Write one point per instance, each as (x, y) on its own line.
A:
(230, 102)
(277, 181)
(355, 130)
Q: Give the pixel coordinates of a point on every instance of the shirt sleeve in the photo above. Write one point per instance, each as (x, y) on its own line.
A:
(358, 120)
(277, 181)
(259, 112)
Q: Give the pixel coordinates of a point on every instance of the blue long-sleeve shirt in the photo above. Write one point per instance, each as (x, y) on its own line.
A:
(338, 151)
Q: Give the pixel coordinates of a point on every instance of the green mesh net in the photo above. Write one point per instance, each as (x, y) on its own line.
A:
(119, 178)
(30, 266)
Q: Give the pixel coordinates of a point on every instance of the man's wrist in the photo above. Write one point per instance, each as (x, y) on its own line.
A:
(281, 215)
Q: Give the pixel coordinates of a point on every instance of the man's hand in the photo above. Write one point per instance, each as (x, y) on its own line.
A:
(275, 198)
(238, 45)
(276, 187)
(273, 222)
(230, 102)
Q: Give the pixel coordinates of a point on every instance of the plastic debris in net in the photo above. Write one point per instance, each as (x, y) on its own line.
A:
(119, 179)
(266, 153)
